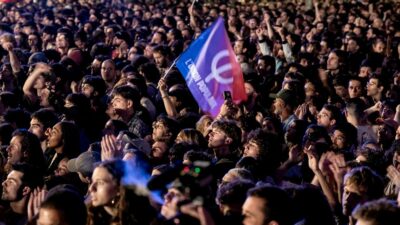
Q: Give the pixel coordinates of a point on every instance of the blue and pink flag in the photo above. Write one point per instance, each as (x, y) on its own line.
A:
(210, 67)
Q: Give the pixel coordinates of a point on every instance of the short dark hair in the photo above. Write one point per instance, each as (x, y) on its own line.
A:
(129, 93)
(234, 192)
(277, 203)
(32, 176)
(68, 204)
(31, 148)
(356, 107)
(231, 130)
(46, 116)
(96, 82)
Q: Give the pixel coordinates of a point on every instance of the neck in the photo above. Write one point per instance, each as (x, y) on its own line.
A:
(353, 121)
(334, 72)
(43, 145)
(377, 97)
(19, 206)
(110, 84)
(221, 152)
(113, 211)
(284, 115)
(126, 117)
(59, 150)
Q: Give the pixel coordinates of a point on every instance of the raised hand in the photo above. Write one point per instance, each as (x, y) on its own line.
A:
(8, 46)
(110, 148)
(338, 168)
(35, 200)
(295, 154)
(312, 160)
(394, 175)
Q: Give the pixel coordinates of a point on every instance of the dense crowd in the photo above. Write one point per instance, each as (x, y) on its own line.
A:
(99, 127)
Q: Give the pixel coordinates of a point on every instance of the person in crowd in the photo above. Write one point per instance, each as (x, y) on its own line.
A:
(63, 143)
(21, 181)
(62, 205)
(25, 148)
(42, 121)
(267, 205)
(331, 66)
(112, 202)
(378, 212)
(126, 103)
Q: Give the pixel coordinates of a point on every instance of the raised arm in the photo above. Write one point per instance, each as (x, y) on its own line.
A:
(14, 61)
(28, 89)
(169, 107)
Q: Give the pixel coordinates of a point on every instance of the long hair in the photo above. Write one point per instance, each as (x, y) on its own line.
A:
(70, 139)
(31, 149)
(133, 205)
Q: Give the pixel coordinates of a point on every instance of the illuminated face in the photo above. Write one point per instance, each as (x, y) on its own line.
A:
(37, 128)
(253, 211)
(87, 90)
(355, 88)
(158, 149)
(61, 41)
(160, 131)
(279, 106)
(372, 87)
(55, 138)
(48, 216)
(333, 61)
(108, 71)
(379, 47)
(352, 196)
(159, 59)
(170, 207)
(14, 150)
(339, 139)
(251, 149)
(217, 138)
(324, 118)
(104, 187)
(11, 186)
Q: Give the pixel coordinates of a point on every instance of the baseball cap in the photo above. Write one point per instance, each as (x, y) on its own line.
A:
(141, 145)
(84, 163)
(288, 96)
(36, 58)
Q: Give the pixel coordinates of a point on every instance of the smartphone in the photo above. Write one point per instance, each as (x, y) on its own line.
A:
(227, 96)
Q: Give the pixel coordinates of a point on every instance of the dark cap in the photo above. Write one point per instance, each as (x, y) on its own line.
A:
(288, 96)
(37, 57)
(124, 36)
(84, 163)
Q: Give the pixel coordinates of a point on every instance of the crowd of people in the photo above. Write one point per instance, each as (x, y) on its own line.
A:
(96, 128)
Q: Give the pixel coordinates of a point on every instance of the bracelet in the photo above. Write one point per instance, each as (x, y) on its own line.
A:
(166, 96)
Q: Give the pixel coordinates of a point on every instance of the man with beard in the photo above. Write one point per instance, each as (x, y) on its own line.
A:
(18, 186)
(344, 139)
(386, 133)
(161, 56)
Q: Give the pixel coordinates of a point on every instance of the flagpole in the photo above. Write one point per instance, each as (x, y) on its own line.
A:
(194, 1)
(170, 68)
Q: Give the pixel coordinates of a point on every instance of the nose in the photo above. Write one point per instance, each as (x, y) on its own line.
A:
(92, 187)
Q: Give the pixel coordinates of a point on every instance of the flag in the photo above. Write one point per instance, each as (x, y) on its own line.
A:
(210, 67)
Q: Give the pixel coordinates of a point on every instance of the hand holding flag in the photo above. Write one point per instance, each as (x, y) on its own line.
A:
(210, 67)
